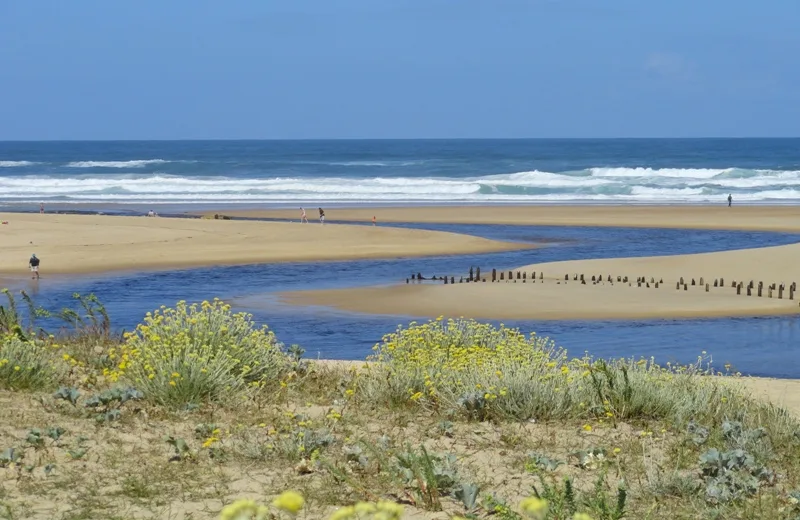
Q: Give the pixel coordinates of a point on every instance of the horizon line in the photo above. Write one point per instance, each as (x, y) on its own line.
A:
(318, 139)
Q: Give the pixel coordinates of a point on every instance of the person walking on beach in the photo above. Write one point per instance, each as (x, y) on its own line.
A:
(303, 217)
(730, 200)
(33, 263)
(41, 208)
(374, 221)
(321, 216)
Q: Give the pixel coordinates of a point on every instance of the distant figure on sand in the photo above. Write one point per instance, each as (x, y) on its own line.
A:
(303, 217)
(151, 213)
(374, 221)
(321, 216)
(41, 208)
(730, 200)
(33, 263)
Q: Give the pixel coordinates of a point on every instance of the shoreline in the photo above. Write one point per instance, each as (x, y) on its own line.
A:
(784, 218)
(80, 244)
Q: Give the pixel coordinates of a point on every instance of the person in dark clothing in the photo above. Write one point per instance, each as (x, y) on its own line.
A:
(33, 263)
(730, 200)
(321, 216)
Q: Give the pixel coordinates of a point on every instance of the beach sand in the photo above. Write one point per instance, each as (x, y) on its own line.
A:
(555, 299)
(97, 243)
(774, 218)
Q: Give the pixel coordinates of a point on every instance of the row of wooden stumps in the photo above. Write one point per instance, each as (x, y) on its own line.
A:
(771, 289)
(475, 276)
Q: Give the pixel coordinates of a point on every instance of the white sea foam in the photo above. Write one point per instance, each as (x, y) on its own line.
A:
(14, 164)
(595, 184)
(115, 164)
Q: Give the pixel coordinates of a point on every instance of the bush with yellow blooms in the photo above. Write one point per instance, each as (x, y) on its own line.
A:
(29, 364)
(193, 353)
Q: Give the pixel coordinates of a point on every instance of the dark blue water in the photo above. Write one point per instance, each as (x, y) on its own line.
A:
(760, 346)
(398, 171)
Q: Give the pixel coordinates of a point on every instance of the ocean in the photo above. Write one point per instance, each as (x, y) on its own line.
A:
(280, 173)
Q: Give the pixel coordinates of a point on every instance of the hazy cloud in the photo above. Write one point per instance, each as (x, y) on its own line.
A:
(668, 65)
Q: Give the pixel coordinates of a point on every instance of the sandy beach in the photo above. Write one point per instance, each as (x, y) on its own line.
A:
(97, 243)
(764, 218)
(556, 299)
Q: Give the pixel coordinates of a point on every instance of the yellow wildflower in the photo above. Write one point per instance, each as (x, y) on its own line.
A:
(289, 501)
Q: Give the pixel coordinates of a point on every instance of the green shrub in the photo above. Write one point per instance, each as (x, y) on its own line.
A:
(484, 372)
(29, 365)
(194, 353)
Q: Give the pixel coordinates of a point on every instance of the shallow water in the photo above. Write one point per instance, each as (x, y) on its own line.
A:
(760, 346)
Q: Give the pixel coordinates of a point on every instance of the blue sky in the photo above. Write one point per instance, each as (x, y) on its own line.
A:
(182, 69)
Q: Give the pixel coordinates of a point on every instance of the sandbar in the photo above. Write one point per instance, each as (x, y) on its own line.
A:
(754, 217)
(555, 298)
(70, 244)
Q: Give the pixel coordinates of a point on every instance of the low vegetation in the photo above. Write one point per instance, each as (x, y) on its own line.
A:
(198, 413)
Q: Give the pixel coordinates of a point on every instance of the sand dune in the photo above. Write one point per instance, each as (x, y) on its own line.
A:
(775, 218)
(96, 243)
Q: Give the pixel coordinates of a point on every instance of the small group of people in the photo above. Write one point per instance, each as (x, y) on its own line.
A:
(304, 217)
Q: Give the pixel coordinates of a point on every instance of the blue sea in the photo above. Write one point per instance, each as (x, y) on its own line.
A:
(130, 176)
(401, 171)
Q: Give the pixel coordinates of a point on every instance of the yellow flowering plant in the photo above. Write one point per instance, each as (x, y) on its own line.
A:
(29, 364)
(193, 353)
(490, 372)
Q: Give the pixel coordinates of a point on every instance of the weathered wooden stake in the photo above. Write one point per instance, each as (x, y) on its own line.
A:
(707, 286)
(750, 291)
(681, 280)
(769, 291)
(494, 275)
(502, 276)
(739, 289)
(701, 281)
(677, 286)
(759, 290)
(780, 292)
(716, 282)
(693, 283)
(470, 273)
(477, 273)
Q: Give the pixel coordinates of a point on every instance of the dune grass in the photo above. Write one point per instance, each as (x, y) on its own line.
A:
(447, 419)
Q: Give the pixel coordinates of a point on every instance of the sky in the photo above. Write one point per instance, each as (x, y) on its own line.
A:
(306, 69)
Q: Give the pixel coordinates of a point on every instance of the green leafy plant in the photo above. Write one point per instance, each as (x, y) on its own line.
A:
(428, 476)
(29, 364)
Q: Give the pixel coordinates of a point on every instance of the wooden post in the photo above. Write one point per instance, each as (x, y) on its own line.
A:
(619, 278)
(625, 279)
(677, 286)
(582, 280)
(716, 282)
(445, 280)
(739, 289)
(701, 281)
(413, 276)
(494, 275)
(461, 280)
(519, 275)
(681, 280)
(693, 281)
(656, 285)
(566, 277)
(769, 291)
(502, 276)
(707, 286)
(760, 287)
(541, 275)
(477, 273)
(750, 291)
(406, 281)
(510, 275)
(791, 292)
(525, 275)
(593, 278)
(470, 273)
(452, 279)
(685, 287)
(780, 292)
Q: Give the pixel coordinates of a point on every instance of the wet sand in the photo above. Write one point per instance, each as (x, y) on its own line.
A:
(764, 218)
(68, 244)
